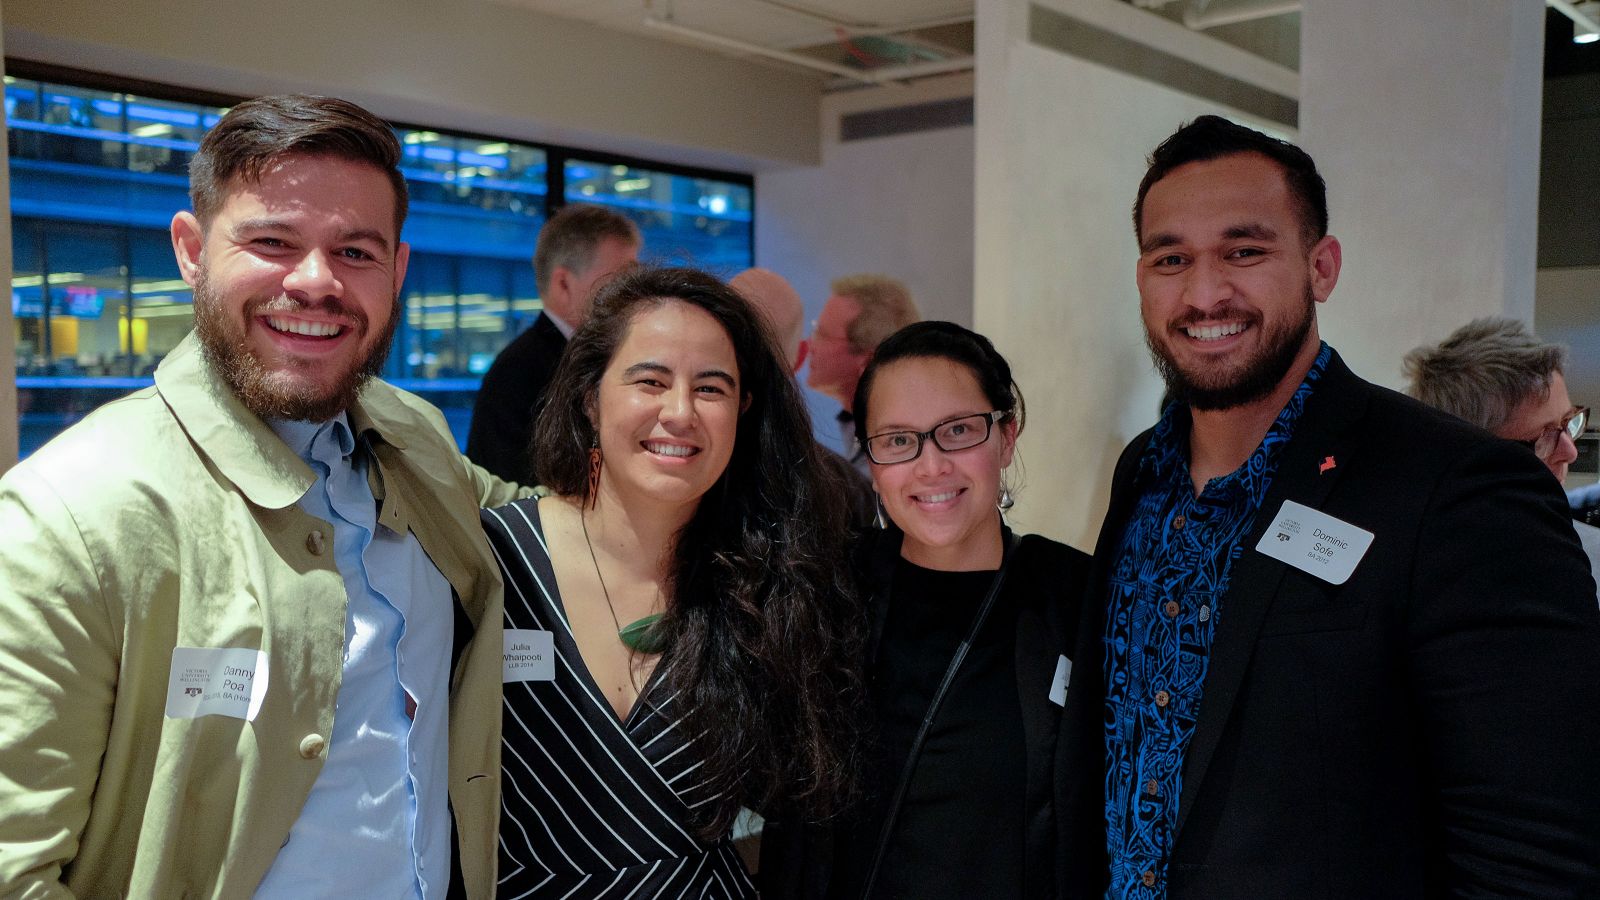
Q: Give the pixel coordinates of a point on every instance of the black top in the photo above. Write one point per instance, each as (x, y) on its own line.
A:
(592, 806)
(969, 780)
(993, 744)
(510, 398)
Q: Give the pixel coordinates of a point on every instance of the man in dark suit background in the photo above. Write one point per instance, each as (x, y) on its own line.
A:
(579, 248)
(1345, 646)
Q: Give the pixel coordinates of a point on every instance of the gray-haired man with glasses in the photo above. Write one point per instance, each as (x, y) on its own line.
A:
(1500, 377)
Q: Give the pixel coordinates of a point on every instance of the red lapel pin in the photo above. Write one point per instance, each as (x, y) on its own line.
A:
(1326, 465)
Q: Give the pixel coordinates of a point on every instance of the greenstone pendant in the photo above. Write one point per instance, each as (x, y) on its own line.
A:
(642, 635)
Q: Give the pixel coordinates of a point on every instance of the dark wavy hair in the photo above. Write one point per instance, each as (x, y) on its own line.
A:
(763, 627)
(948, 341)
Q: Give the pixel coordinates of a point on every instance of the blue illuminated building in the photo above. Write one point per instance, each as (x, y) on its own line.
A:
(97, 300)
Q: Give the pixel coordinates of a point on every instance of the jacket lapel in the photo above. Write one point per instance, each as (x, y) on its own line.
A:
(1325, 429)
(1038, 649)
(1081, 749)
(416, 483)
(244, 449)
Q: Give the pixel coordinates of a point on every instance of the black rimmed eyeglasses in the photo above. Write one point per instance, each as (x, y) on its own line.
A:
(1571, 425)
(959, 433)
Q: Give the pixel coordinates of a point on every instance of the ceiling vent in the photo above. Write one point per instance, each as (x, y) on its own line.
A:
(875, 123)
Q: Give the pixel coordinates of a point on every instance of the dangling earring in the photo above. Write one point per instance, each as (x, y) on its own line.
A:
(594, 474)
(1006, 501)
(878, 518)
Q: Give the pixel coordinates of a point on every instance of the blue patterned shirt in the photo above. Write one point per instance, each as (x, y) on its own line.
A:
(1170, 575)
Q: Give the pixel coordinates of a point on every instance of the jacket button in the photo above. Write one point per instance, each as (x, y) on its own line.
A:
(314, 543)
(311, 746)
(1148, 877)
(1163, 698)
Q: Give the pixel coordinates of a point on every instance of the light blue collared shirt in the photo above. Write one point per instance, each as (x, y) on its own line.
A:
(377, 821)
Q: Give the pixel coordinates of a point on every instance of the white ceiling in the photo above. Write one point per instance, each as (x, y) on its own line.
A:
(784, 24)
(875, 40)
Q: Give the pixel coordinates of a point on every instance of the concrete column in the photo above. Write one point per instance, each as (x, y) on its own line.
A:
(1424, 119)
(8, 333)
(1063, 129)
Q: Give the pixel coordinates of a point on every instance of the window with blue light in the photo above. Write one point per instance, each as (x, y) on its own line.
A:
(97, 300)
(679, 217)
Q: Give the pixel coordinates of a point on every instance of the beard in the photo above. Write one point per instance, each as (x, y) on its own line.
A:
(1227, 388)
(273, 394)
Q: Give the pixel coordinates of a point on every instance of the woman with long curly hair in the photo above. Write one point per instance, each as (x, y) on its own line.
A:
(679, 628)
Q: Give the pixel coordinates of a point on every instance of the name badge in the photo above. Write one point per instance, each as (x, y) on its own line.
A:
(1058, 687)
(1315, 542)
(216, 681)
(530, 655)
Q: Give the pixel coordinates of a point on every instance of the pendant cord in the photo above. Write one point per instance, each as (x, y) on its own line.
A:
(583, 520)
(640, 642)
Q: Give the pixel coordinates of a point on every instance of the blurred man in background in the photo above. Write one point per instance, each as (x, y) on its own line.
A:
(861, 311)
(772, 294)
(579, 249)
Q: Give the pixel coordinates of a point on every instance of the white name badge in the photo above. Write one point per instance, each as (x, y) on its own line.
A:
(1315, 542)
(1058, 687)
(530, 655)
(216, 681)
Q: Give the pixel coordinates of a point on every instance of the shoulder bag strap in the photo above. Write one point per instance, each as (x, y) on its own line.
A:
(892, 814)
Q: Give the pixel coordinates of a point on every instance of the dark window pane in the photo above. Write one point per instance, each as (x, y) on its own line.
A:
(684, 220)
(525, 302)
(485, 306)
(430, 317)
(85, 298)
(163, 308)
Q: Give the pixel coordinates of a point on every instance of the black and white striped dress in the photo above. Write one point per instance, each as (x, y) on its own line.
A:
(592, 807)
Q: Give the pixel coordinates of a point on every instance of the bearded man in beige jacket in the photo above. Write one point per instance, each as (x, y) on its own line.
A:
(250, 631)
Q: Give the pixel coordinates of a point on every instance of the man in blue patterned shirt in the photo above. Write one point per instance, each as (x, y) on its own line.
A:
(1309, 674)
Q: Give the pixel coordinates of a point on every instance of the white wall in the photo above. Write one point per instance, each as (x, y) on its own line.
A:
(472, 65)
(898, 205)
(1423, 117)
(1061, 150)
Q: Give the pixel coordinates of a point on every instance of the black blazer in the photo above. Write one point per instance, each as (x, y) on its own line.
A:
(1046, 578)
(510, 399)
(1427, 729)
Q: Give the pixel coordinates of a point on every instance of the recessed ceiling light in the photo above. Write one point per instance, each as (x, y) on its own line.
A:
(1582, 34)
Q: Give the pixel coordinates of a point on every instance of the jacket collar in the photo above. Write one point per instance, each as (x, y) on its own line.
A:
(554, 325)
(242, 447)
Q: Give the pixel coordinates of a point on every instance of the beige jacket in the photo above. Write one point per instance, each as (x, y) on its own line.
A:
(168, 518)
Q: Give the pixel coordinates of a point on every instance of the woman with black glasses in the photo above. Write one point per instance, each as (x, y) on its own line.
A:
(967, 655)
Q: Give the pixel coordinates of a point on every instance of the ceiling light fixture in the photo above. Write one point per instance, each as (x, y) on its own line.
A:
(1586, 32)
